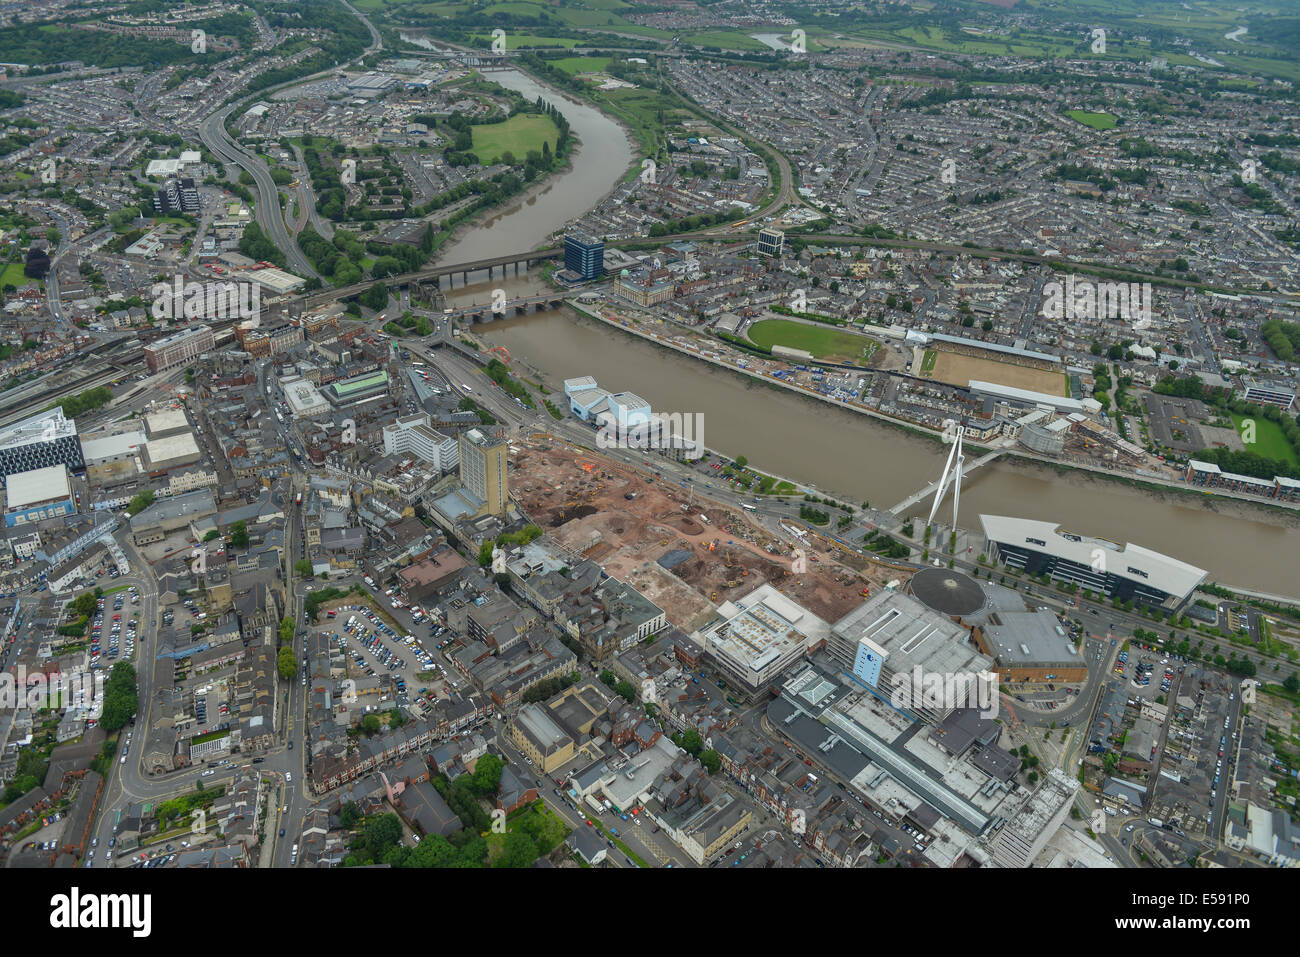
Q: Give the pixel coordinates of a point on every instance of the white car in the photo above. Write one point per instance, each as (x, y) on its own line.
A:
(288, 777)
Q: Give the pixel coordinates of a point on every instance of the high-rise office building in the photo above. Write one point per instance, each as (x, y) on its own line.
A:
(771, 242)
(483, 470)
(584, 255)
(177, 195)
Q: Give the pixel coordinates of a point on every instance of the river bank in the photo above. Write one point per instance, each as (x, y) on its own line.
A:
(1156, 487)
(603, 151)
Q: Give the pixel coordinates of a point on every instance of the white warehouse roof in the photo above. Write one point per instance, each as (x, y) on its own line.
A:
(24, 489)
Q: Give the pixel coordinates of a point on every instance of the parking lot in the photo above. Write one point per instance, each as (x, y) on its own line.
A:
(374, 647)
(113, 629)
(1199, 755)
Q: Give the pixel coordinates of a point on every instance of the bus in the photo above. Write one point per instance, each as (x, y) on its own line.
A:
(417, 364)
(298, 499)
(747, 507)
(465, 386)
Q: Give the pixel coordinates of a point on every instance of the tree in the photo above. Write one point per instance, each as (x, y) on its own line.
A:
(349, 814)
(626, 690)
(691, 742)
(433, 851)
(286, 662)
(239, 535)
(121, 699)
(370, 724)
(212, 533)
(303, 568)
(711, 761)
(287, 627)
(382, 834)
(519, 851)
(376, 297)
(139, 502)
(487, 775)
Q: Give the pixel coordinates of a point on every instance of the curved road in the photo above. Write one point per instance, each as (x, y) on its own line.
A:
(270, 216)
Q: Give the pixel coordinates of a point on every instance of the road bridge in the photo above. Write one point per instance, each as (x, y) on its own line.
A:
(486, 312)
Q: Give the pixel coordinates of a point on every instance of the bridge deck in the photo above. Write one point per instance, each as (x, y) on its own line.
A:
(929, 489)
(433, 272)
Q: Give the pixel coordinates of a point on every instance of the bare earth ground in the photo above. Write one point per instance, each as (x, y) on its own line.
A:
(580, 498)
(959, 370)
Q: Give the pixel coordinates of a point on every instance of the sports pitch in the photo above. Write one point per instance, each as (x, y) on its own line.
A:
(958, 370)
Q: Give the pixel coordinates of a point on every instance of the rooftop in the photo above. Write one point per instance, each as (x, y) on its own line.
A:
(24, 489)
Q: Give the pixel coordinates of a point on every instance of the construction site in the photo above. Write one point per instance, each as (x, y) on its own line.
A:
(685, 553)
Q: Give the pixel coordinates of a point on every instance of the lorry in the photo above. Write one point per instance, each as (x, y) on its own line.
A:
(594, 804)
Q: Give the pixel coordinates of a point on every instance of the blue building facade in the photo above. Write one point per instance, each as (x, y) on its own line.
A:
(584, 255)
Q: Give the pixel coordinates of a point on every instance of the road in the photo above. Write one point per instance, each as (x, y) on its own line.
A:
(270, 216)
(212, 131)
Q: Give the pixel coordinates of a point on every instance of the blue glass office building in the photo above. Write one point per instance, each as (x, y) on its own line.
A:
(584, 255)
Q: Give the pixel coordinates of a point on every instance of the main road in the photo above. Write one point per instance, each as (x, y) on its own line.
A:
(270, 216)
(212, 131)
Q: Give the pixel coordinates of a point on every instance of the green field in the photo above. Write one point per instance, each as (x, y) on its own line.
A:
(1141, 29)
(1269, 440)
(582, 64)
(823, 342)
(927, 363)
(13, 275)
(517, 135)
(1098, 121)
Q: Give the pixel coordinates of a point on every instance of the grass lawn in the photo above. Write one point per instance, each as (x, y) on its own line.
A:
(518, 135)
(1098, 121)
(823, 342)
(582, 64)
(1269, 440)
(927, 363)
(540, 820)
(12, 275)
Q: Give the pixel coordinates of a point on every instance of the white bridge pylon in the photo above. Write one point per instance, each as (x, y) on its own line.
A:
(951, 476)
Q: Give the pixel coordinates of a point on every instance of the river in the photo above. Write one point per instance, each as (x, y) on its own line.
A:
(848, 454)
(844, 453)
(603, 154)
